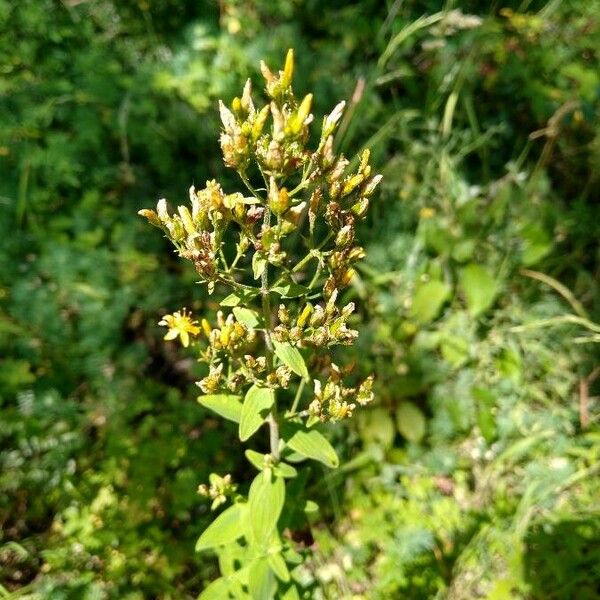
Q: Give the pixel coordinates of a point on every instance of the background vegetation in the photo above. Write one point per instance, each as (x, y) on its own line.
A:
(476, 474)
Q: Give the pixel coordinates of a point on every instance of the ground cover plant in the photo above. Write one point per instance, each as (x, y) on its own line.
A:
(473, 473)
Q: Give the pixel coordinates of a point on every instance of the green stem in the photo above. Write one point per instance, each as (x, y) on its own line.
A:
(249, 186)
(297, 397)
(266, 308)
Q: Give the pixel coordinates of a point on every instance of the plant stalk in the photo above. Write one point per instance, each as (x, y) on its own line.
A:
(266, 308)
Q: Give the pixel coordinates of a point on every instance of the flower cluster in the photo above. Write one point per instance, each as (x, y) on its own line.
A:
(298, 185)
(320, 325)
(219, 490)
(334, 402)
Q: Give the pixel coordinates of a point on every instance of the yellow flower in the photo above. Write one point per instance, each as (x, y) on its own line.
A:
(180, 325)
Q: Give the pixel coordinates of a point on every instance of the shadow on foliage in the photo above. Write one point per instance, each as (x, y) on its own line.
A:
(563, 561)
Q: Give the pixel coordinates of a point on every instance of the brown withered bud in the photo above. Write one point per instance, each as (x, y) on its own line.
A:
(334, 216)
(314, 205)
(254, 214)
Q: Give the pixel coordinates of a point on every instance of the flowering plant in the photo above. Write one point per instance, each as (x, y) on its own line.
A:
(285, 248)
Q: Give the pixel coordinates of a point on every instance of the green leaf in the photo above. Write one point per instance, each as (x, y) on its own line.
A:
(217, 590)
(410, 421)
(277, 564)
(231, 300)
(291, 593)
(240, 297)
(261, 582)
(311, 507)
(291, 357)
(256, 458)
(428, 301)
(485, 412)
(284, 470)
(280, 469)
(227, 406)
(259, 264)
(225, 529)
(536, 244)
(376, 426)
(265, 503)
(257, 403)
(246, 317)
(314, 445)
(455, 349)
(479, 287)
(290, 290)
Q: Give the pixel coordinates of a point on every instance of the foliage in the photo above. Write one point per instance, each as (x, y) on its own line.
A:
(473, 473)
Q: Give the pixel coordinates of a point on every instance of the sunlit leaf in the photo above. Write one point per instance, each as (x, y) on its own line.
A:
(256, 406)
(227, 406)
(226, 528)
(265, 502)
(313, 444)
(428, 301)
(479, 287)
(291, 357)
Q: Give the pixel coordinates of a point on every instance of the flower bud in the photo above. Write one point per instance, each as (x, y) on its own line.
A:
(151, 216)
(360, 208)
(346, 278)
(364, 160)
(278, 122)
(351, 184)
(279, 200)
(318, 316)
(302, 115)
(331, 120)
(288, 69)
(186, 219)
(176, 229)
(348, 310)
(372, 184)
(236, 105)
(306, 311)
(357, 253)
(243, 244)
(283, 314)
(205, 327)
(227, 118)
(161, 209)
(246, 101)
(344, 236)
(259, 122)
